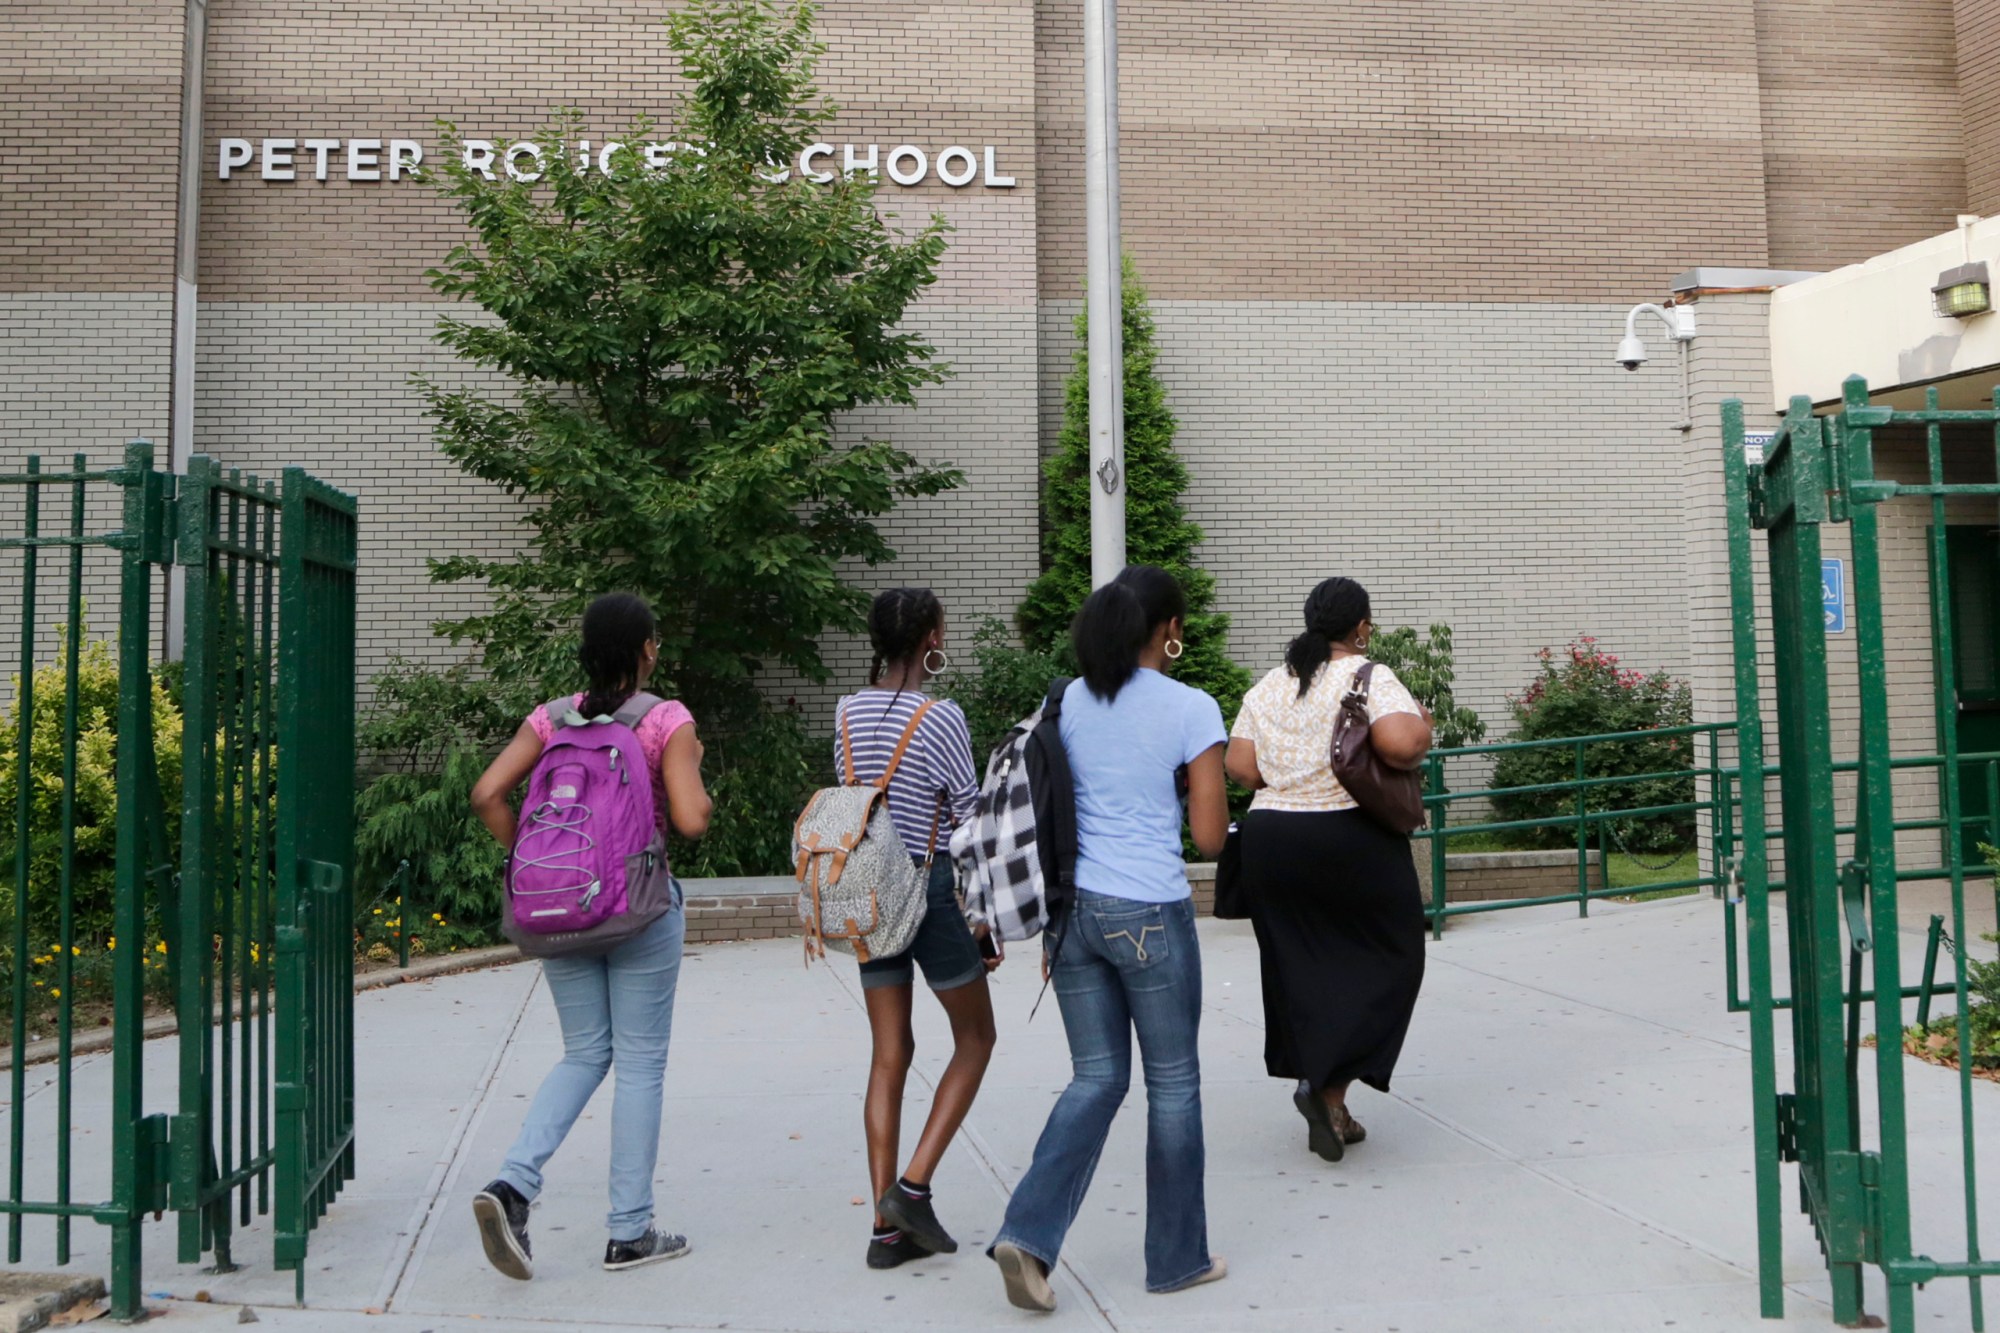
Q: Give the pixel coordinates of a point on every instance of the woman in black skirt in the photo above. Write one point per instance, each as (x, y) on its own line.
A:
(1333, 894)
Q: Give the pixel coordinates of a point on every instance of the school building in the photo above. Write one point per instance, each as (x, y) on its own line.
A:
(1391, 249)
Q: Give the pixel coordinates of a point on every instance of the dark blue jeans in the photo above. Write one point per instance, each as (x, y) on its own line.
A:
(1125, 967)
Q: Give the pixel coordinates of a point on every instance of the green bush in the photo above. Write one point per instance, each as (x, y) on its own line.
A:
(1582, 691)
(1425, 666)
(95, 796)
(1157, 528)
(1006, 682)
(454, 897)
(761, 765)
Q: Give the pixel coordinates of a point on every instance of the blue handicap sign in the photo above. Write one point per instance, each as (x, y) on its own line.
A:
(1833, 594)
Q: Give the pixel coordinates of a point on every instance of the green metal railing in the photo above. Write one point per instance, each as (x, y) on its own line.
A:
(138, 550)
(1591, 818)
(1842, 881)
(252, 910)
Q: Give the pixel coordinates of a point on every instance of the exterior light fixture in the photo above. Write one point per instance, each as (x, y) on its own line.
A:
(1963, 292)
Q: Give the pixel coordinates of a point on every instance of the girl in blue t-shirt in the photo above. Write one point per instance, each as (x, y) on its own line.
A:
(1129, 960)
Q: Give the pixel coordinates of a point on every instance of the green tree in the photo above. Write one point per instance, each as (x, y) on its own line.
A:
(1157, 528)
(1426, 666)
(679, 341)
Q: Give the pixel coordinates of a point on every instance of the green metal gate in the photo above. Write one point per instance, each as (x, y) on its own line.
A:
(244, 929)
(1840, 880)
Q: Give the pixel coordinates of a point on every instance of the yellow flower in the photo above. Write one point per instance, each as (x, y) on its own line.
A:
(76, 950)
(161, 947)
(55, 993)
(436, 916)
(378, 911)
(111, 943)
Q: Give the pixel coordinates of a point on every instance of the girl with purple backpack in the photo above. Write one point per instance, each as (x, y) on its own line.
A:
(612, 977)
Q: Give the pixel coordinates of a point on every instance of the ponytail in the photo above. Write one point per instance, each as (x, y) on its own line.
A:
(1117, 620)
(616, 629)
(1333, 610)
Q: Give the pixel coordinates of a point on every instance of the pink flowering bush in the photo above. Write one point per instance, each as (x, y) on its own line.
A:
(1583, 691)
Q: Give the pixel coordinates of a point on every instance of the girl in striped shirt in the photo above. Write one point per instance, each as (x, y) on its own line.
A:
(932, 789)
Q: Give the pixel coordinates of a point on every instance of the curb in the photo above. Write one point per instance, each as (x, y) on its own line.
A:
(162, 1025)
(30, 1300)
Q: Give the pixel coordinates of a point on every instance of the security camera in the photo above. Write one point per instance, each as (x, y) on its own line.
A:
(1632, 349)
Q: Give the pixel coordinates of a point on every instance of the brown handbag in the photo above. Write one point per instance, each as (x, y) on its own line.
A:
(1392, 797)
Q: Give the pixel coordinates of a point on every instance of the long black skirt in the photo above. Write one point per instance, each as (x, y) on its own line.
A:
(1340, 926)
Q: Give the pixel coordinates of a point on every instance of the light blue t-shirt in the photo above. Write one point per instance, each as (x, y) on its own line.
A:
(1122, 757)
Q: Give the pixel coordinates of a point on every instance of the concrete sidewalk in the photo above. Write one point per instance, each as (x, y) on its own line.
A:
(1567, 1148)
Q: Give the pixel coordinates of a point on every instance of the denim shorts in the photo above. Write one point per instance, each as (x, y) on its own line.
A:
(944, 947)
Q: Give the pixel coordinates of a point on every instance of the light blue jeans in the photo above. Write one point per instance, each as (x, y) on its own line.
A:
(617, 1011)
(1125, 967)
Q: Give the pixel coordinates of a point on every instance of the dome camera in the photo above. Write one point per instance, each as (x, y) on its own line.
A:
(1632, 348)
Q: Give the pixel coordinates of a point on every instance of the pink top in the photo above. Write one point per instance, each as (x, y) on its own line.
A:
(654, 731)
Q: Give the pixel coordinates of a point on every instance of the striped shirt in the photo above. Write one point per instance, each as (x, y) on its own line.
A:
(939, 759)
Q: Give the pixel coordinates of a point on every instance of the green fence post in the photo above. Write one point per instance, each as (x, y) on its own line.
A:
(1582, 840)
(1875, 848)
(1753, 865)
(1440, 819)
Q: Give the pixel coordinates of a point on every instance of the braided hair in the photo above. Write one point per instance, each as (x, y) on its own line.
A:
(616, 629)
(1333, 610)
(898, 623)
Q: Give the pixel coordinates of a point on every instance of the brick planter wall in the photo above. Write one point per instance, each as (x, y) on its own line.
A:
(766, 907)
(1487, 876)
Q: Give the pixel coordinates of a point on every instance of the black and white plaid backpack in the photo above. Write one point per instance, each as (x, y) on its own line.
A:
(1017, 852)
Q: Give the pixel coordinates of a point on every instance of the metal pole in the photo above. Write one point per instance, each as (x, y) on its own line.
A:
(1104, 304)
(187, 266)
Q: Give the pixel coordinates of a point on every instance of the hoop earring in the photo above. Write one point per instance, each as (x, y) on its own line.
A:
(1174, 650)
(943, 662)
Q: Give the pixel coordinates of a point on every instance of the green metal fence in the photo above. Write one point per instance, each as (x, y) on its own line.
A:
(1842, 881)
(1592, 814)
(247, 917)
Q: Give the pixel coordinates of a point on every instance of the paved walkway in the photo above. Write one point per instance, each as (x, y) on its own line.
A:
(1567, 1148)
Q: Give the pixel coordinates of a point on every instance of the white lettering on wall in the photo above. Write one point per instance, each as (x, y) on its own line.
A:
(954, 178)
(850, 164)
(405, 156)
(906, 154)
(277, 163)
(366, 159)
(806, 163)
(479, 156)
(319, 148)
(363, 155)
(526, 148)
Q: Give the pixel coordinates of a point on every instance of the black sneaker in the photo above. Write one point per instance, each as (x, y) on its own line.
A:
(894, 1253)
(503, 1229)
(650, 1248)
(916, 1219)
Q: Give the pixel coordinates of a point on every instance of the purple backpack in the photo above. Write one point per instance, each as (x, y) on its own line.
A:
(589, 865)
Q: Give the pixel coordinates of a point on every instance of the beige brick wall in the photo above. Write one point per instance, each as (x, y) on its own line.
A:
(1861, 127)
(90, 109)
(1977, 32)
(326, 386)
(928, 72)
(1563, 151)
(1485, 466)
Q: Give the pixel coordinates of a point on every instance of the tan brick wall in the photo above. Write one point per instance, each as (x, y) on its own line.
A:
(1977, 25)
(1862, 143)
(1576, 150)
(90, 109)
(928, 72)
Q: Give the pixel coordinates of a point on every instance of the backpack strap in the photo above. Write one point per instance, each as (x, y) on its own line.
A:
(1052, 704)
(560, 709)
(902, 745)
(633, 711)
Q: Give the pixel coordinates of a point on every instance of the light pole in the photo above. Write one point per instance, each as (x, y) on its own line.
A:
(1104, 306)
